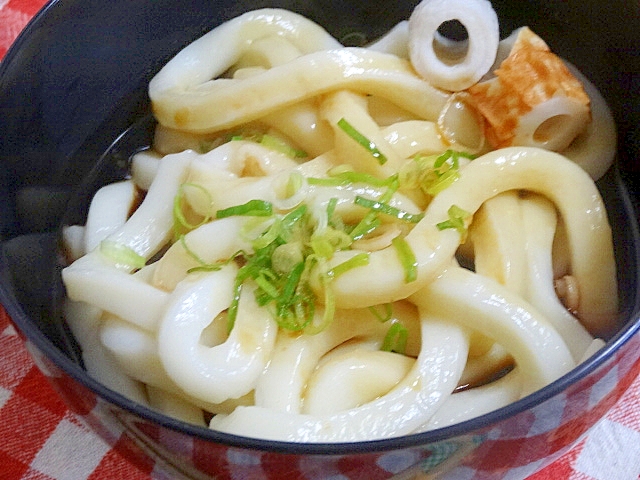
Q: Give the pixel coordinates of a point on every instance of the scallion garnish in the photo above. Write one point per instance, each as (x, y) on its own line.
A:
(279, 145)
(396, 339)
(232, 311)
(433, 173)
(180, 222)
(458, 219)
(358, 260)
(387, 209)
(253, 208)
(293, 185)
(367, 225)
(407, 259)
(121, 254)
(383, 317)
(349, 177)
(363, 141)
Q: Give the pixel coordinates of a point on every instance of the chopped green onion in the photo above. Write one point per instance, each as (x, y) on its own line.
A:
(232, 311)
(189, 251)
(367, 225)
(388, 312)
(458, 219)
(363, 141)
(322, 247)
(180, 222)
(253, 208)
(387, 209)
(265, 284)
(348, 177)
(269, 236)
(438, 184)
(407, 259)
(292, 282)
(433, 173)
(313, 328)
(293, 217)
(328, 182)
(122, 254)
(358, 260)
(359, 177)
(279, 145)
(293, 185)
(285, 257)
(331, 208)
(396, 339)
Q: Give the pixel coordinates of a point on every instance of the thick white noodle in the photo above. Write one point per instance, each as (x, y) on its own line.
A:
(539, 223)
(353, 108)
(109, 210)
(84, 321)
(513, 242)
(395, 41)
(173, 267)
(353, 378)
(107, 283)
(411, 137)
(159, 336)
(295, 356)
(301, 122)
(215, 52)
(453, 65)
(498, 240)
(213, 105)
(94, 280)
(408, 405)
(474, 402)
(246, 158)
(73, 241)
(482, 304)
(135, 350)
(175, 407)
(224, 371)
(144, 168)
(151, 225)
(550, 174)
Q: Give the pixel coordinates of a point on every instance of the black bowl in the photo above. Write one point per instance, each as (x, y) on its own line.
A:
(76, 79)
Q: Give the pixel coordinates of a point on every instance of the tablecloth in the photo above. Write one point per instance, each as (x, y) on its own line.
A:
(40, 439)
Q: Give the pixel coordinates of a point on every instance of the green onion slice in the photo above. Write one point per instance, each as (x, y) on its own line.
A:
(279, 145)
(180, 222)
(367, 225)
(396, 339)
(386, 315)
(348, 177)
(363, 141)
(458, 219)
(122, 254)
(378, 206)
(253, 208)
(407, 259)
(358, 260)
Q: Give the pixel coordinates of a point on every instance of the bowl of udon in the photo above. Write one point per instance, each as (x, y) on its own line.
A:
(326, 239)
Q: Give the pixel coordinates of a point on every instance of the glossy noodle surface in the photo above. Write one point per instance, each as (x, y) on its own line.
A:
(338, 244)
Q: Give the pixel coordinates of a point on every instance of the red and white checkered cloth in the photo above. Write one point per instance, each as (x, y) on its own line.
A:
(40, 439)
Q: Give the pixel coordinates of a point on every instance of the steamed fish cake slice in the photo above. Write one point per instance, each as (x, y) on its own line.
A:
(533, 100)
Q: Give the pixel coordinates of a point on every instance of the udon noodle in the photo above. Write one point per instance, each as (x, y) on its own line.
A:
(336, 244)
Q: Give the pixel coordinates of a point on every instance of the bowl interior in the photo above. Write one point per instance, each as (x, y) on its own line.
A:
(88, 87)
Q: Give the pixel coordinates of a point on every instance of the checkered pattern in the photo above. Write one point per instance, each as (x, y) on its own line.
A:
(40, 439)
